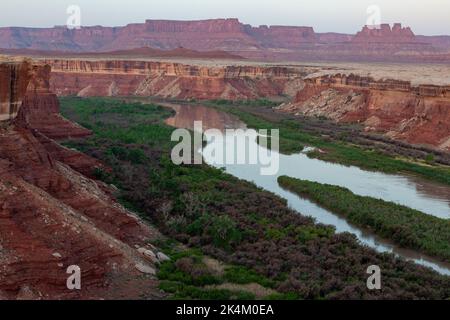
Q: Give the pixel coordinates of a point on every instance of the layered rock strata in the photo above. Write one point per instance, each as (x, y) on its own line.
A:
(170, 80)
(416, 114)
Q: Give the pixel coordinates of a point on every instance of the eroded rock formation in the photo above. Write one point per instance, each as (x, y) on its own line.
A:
(14, 78)
(417, 114)
(40, 108)
(170, 80)
(385, 34)
(51, 215)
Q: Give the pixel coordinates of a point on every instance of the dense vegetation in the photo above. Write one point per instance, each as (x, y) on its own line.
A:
(293, 136)
(251, 230)
(191, 275)
(407, 227)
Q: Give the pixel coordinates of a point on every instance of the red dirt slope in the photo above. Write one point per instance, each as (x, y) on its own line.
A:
(52, 216)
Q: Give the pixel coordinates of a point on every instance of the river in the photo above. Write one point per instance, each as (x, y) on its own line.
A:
(415, 192)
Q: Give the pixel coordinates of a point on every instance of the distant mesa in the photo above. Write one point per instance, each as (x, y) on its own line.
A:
(231, 39)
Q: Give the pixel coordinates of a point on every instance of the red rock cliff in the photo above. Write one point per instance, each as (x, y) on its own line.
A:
(417, 114)
(173, 80)
(14, 78)
(40, 108)
(52, 216)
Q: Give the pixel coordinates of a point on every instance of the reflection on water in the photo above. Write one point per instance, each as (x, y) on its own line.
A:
(211, 118)
(413, 192)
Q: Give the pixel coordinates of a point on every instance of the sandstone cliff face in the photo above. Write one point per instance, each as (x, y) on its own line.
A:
(52, 216)
(169, 80)
(40, 108)
(14, 78)
(419, 115)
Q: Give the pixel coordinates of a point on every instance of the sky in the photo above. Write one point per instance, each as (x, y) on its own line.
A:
(428, 17)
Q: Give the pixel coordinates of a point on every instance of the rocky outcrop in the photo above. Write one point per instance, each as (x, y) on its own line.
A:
(40, 108)
(52, 216)
(14, 78)
(25, 97)
(169, 80)
(394, 43)
(385, 34)
(416, 114)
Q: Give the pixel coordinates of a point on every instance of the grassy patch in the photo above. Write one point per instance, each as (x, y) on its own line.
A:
(124, 122)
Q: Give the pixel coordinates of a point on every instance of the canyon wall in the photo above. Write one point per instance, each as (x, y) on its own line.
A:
(14, 78)
(52, 215)
(170, 80)
(279, 43)
(416, 114)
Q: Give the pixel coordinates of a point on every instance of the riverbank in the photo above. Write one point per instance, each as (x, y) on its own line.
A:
(231, 220)
(345, 145)
(407, 227)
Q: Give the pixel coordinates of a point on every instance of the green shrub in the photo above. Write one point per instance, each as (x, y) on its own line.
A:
(224, 232)
(430, 158)
(308, 233)
(134, 155)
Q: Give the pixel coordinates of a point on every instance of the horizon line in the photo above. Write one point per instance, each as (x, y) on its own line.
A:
(224, 19)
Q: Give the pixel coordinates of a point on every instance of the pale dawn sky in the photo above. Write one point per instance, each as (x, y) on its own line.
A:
(429, 17)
